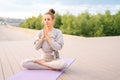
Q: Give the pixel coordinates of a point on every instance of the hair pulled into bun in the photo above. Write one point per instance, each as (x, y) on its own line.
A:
(52, 11)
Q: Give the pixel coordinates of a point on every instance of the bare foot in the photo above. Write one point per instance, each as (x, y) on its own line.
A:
(41, 62)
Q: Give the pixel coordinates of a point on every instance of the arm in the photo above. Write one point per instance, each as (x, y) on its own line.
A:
(57, 43)
(38, 42)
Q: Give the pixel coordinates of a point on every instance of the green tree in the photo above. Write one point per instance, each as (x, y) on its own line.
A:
(116, 24)
(58, 21)
(69, 24)
(83, 24)
(108, 23)
(38, 22)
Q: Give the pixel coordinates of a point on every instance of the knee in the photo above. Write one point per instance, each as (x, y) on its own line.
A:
(61, 64)
(25, 63)
(57, 64)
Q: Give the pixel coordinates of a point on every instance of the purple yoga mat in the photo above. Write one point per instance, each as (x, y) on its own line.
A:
(40, 74)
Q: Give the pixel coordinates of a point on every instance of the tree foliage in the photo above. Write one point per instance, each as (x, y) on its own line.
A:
(83, 24)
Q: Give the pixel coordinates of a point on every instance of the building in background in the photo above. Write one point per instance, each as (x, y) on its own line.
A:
(11, 21)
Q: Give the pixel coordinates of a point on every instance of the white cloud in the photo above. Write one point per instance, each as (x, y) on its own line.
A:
(93, 9)
(15, 10)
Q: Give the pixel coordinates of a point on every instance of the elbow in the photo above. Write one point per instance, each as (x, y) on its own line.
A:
(37, 47)
(61, 64)
(58, 48)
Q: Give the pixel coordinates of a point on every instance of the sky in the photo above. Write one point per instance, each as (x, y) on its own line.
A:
(28, 8)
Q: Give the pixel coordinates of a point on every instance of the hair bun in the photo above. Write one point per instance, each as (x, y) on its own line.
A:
(52, 11)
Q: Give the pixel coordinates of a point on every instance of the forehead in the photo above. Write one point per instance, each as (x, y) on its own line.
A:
(47, 16)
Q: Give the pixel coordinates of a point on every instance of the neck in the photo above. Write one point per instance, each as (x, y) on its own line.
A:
(50, 28)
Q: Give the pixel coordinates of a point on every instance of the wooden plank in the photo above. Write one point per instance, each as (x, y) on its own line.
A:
(1, 73)
(6, 67)
(59, 79)
(1, 67)
(21, 52)
(12, 60)
(1, 70)
(19, 55)
(93, 63)
(65, 76)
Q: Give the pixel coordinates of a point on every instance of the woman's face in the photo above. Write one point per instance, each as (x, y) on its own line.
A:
(48, 21)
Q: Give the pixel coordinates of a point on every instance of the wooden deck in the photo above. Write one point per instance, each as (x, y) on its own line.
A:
(96, 58)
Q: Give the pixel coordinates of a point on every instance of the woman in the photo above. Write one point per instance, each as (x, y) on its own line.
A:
(50, 40)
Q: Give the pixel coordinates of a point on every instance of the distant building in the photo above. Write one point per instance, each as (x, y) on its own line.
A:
(11, 21)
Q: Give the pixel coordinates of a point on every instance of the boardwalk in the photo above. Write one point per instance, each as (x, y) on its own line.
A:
(96, 58)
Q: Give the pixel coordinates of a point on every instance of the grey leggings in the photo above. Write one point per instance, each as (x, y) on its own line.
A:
(56, 64)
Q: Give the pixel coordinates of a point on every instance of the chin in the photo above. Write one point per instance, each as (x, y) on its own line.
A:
(48, 25)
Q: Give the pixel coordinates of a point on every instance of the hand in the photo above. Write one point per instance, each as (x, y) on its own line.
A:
(43, 35)
(39, 61)
(35, 61)
(42, 38)
(46, 34)
(46, 30)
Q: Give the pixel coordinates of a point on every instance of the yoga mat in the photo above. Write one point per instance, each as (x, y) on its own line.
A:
(40, 74)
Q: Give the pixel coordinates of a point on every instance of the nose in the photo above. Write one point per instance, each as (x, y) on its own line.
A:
(46, 21)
